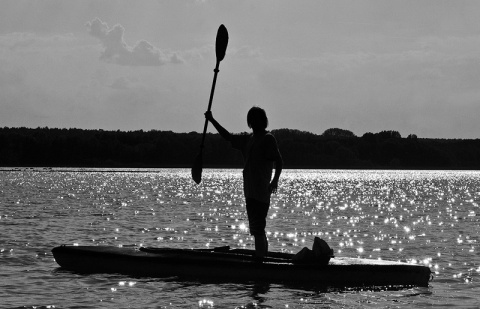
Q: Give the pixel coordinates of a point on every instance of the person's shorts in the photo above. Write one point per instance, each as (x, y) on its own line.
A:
(257, 216)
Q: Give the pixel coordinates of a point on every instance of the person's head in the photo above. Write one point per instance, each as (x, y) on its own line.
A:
(257, 118)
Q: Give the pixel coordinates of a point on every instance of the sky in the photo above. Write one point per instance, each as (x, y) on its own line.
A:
(412, 66)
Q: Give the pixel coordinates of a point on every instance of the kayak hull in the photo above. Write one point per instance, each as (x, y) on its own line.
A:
(238, 265)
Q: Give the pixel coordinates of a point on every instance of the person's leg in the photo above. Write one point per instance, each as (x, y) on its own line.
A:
(261, 245)
(257, 214)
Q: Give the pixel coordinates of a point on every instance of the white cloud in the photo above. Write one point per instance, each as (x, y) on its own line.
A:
(119, 52)
(175, 58)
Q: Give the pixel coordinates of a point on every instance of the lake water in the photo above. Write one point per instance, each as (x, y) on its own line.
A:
(426, 217)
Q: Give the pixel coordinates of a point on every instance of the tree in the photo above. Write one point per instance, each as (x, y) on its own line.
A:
(389, 134)
(339, 133)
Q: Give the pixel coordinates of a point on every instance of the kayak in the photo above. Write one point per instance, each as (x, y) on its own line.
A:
(233, 265)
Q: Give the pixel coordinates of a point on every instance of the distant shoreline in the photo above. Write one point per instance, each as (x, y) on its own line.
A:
(156, 169)
(334, 149)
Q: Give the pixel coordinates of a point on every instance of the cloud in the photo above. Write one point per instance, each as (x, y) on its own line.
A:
(247, 52)
(120, 83)
(119, 52)
(413, 91)
(32, 42)
(10, 75)
(175, 58)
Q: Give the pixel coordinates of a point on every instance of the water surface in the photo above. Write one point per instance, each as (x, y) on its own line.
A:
(425, 217)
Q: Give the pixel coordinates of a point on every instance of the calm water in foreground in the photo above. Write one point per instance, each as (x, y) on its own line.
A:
(427, 217)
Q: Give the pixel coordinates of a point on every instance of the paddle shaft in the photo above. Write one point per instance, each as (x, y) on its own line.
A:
(210, 103)
(221, 43)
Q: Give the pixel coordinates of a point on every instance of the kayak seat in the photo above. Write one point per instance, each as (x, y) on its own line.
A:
(319, 254)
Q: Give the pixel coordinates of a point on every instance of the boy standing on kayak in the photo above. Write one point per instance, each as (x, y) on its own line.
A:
(260, 152)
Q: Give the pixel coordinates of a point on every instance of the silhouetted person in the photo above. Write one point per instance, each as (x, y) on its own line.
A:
(260, 152)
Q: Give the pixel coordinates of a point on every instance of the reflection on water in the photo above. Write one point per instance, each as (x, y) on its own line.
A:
(427, 217)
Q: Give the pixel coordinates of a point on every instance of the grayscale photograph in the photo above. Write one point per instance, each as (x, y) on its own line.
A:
(239, 154)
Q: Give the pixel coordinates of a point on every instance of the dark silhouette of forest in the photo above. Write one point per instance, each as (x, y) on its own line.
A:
(335, 148)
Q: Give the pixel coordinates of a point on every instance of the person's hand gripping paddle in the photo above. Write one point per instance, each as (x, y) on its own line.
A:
(221, 43)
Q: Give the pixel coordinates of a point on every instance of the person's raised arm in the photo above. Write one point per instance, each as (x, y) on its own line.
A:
(221, 130)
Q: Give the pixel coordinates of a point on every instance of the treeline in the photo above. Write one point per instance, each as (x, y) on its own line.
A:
(335, 148)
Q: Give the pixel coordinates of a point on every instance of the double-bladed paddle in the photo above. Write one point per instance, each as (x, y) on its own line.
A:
(221, 43)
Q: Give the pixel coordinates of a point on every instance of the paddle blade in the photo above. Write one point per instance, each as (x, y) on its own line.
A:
(197, 168)
(221, 43)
